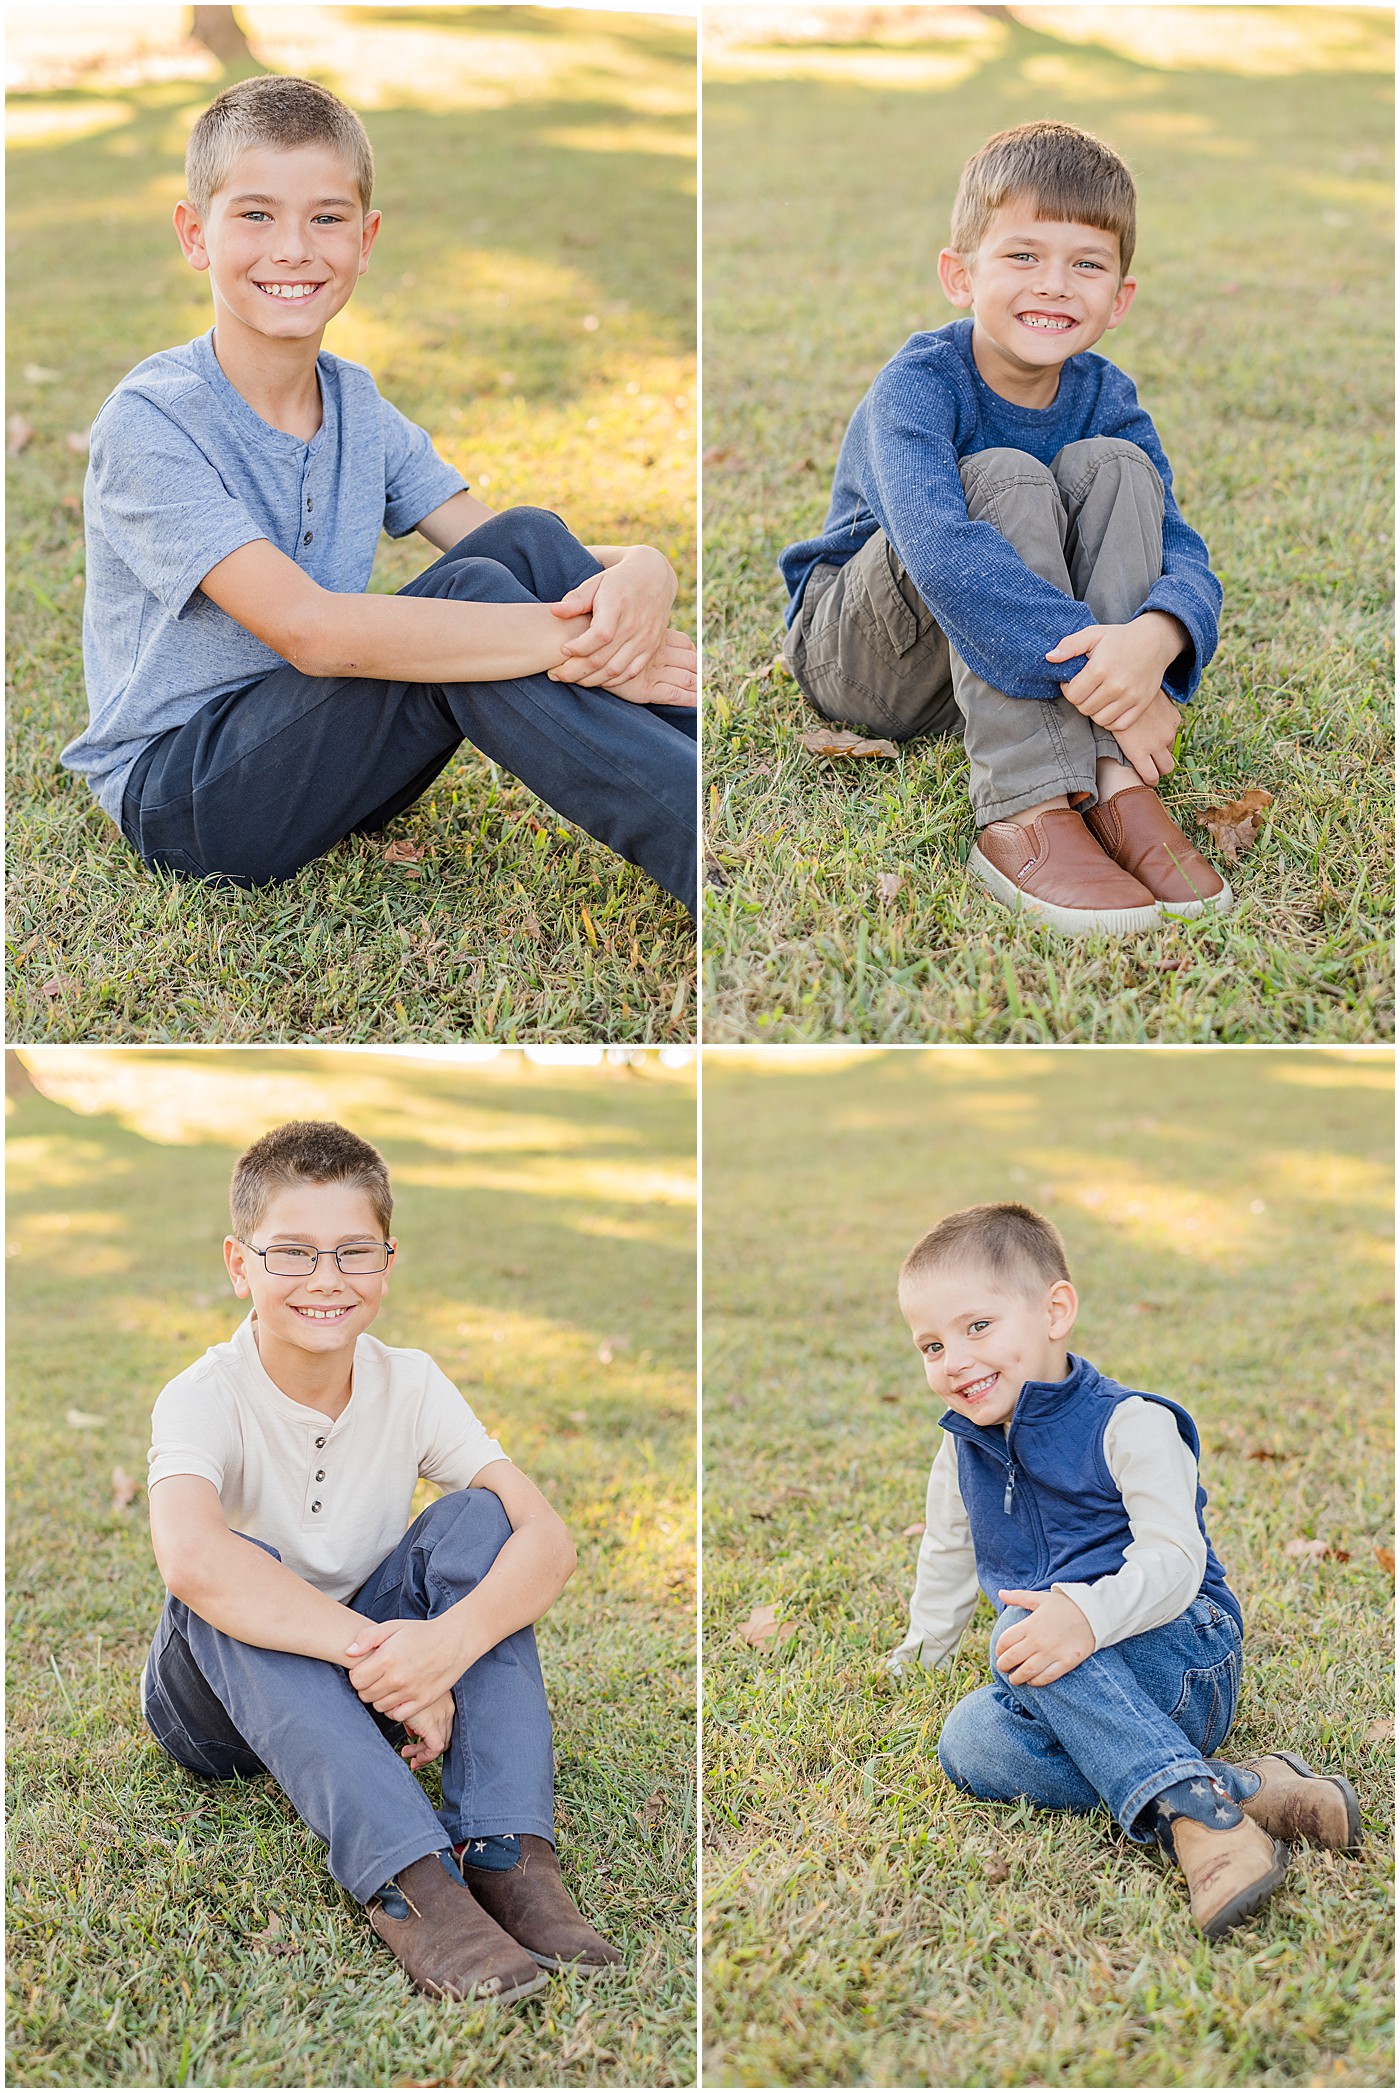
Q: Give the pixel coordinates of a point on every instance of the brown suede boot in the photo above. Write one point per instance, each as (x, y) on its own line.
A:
(1229, 1873)
(532, 1904)
(446, 1942)
(1293, 1802)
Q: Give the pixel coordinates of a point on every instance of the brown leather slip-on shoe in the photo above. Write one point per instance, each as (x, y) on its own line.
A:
(1293, 1802)
(450, 1947)
(532, 1904)
(1056, 873)
(1139, 834)
(1229, 1873)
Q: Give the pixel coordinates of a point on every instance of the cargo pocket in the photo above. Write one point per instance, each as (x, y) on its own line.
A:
(879, 607)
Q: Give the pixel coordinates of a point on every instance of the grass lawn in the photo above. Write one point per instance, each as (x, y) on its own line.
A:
(829, 174)
(1228, 1221)
(531, 303)
(168, 1932)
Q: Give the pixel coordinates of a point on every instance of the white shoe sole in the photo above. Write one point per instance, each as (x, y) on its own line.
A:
(1212, 905)
(1074, 922)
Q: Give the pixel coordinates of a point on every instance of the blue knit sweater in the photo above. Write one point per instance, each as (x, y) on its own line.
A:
(898, 472)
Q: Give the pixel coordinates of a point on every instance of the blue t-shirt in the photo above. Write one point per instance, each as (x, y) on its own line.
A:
(897, 472)
(181, 472)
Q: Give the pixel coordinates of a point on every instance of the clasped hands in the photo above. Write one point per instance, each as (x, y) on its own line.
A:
(629, 647)
(1120, 686)
(1052, 1640)
(406, 1670)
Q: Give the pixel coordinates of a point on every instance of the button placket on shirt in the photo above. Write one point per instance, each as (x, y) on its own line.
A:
(317, 1504)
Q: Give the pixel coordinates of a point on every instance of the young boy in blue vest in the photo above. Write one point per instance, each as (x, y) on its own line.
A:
(1003, 557)
(305, 1632)
(1076, 1506)
(251, 704)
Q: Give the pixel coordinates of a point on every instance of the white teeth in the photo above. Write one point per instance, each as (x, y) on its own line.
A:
(1045, 322)
(323, 1315)
(288, 290)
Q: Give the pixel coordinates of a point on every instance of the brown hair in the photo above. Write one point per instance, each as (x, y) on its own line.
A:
(306, 1151)
(276, 110)
(1012, 1244)
(1069, 175)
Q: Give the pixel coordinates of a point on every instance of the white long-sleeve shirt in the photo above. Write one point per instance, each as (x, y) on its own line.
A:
(1163, 1564)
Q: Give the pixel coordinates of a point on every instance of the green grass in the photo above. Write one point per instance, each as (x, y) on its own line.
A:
(538, 177)
(1228, 1221)
(829, 174)
(545, 1220)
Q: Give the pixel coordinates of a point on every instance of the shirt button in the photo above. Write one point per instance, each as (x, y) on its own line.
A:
(317, 1505)
(320, 1442)
(320, 1475)
(306, 537)
(308, 501)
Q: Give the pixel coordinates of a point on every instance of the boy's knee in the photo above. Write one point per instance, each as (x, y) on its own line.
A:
(478, 1513)
(1002, 465)
(520, 529)
(1078, 462)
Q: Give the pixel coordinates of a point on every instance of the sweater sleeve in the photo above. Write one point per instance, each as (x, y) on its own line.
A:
(945, 1583)
(1165, 1561)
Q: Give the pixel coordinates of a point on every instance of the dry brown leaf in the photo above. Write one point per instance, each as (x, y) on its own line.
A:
(37, 374)
(1386, 1558)
(1266, 1453)
(715, 874)
(59, 985)
(891, 1398)
(918, 1527)
(18, 433)
(888, 886)
(1236, 824)
(997, 1870)
(578, 1417)
(1318, 1551)
(763, 1627)
(1144, 1307)
(402, 852)
(77, 441)
(84, 1420)
(1381, 1730)
(839, 741)
(651, 1809)
(718, 453)
(124, 1488)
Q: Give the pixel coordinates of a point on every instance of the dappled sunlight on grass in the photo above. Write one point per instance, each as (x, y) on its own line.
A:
(53, 123)
(1264, 42)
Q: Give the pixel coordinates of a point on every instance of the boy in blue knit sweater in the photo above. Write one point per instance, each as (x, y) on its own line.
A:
(1003, 557)
(1076, 1506)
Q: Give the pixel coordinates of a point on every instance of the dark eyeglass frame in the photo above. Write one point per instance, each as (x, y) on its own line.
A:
(306, 1249)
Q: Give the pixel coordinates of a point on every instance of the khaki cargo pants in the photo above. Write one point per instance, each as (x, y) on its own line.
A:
(866, 651)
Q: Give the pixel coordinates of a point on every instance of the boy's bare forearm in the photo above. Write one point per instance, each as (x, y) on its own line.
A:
(429, 639)
(242, 1590)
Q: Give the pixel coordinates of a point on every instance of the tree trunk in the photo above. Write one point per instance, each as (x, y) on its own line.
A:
(217, 28)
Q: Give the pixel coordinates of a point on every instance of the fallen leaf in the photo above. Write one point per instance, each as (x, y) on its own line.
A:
(1172, 966)
(1386, 1558)
(717, 453)
(839, 741)
(891, 1398)
(917, 1527)
(1318, 1551)
(37, 374)
(73, 503)
(1381, 1730)
(402, 852)
(1144, 1307)
(997, 1870)
(84, 1420)
(888, 886)
(17, 434)
(651, 1809)
(578, 1417)
(124, 1488)
(715, 874)
(1266, 1453)
(270, 1940)
(77, 441)
(763, 1626)
(1236, 824)
(59, 985)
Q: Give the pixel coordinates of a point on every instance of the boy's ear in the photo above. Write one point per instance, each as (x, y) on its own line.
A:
(956, 278)
(189, 230)
(236, 1259)
(1127, 291)
(373, 220)
(1062, 1304)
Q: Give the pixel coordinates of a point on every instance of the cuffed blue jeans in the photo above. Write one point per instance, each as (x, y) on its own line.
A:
(262, 781)
(221, 1708)
(1124, 1725)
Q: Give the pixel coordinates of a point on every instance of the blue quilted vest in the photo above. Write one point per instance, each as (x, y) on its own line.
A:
(1041, 1503)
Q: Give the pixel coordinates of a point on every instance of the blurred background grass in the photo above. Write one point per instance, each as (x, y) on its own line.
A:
(1261, 343)
(531, 302)
(1228, 1219)
(545, 1214)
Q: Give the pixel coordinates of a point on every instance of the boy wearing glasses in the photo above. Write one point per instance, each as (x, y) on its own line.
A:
(305, 1632)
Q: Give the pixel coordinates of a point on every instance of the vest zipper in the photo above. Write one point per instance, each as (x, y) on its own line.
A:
(1010, 1489)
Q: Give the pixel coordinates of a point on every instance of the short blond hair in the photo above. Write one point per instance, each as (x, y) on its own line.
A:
(1013, 1245)
(277, 110)
(306, 1151)
(1069, 175)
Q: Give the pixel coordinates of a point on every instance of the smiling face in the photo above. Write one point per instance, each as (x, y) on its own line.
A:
(324, 1312)
(284, 241)
(1039, 292)
(981, 1341)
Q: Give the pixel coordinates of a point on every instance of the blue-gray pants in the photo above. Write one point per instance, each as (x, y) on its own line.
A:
(223, 1707)
(262, 781)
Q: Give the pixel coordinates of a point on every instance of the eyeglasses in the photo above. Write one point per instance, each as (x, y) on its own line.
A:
(297, 1261)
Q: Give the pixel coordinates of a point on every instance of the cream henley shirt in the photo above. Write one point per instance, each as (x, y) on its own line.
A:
(332, 1498)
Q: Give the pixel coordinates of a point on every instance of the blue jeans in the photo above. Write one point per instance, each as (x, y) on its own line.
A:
(1128, 1722)
(262, 781)
(223, 1708)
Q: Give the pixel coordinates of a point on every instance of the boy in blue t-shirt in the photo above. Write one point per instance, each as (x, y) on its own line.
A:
(250, 703)
(1003, 557)
(1076, 1506)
